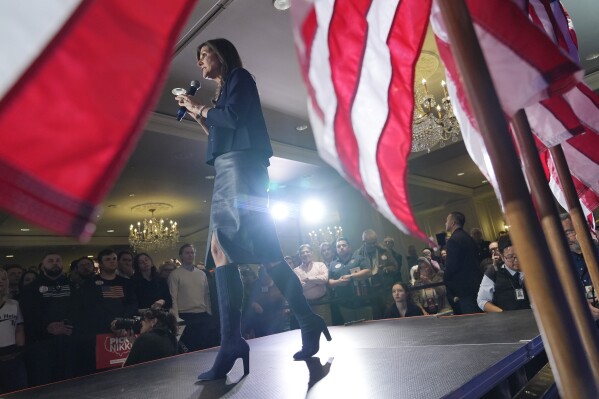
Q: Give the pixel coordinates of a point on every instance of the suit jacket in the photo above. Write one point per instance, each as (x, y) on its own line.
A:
(236, 123)
(462, 271)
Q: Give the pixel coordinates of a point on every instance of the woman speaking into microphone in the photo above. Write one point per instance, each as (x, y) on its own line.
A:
(242, 230)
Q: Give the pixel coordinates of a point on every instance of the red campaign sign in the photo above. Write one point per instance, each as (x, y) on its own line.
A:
(111, 351)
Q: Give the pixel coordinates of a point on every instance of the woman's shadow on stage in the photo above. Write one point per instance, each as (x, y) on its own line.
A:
(316, 370)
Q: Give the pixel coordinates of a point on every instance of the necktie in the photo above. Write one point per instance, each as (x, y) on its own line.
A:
(517, 278)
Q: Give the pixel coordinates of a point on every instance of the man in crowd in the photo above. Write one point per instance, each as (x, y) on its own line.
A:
(462, 272)
(412, 257)
(99, 302)
(125, 264)
(576, 252)
(348, 279)
(46, 304)
(189, 290)
(581, 267)
(483, 246)
(428, 254)
(495, 255)
(383, 269)
(389, 243)
(503, 289)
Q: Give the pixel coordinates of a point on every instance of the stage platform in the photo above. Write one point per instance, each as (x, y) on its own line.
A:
(422, 357)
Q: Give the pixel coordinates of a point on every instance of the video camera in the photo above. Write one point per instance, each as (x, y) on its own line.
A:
(133, 323)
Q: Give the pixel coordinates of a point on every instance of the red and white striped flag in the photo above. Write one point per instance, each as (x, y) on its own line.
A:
(77, 81)
(357, 59)
(530, 72)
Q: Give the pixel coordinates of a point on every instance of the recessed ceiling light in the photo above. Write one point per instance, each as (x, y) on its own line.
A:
(90, 256)
(110, 231)
(461, 174)
(592, 57)
(10, 256)
(484, 181)
(210, 177)
(24, 229)
(301, 128)
(131, 195)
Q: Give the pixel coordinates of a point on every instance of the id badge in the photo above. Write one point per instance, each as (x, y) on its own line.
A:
(519, 294)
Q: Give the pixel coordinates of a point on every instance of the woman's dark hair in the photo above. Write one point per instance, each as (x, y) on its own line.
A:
(26, 272)
(163, 319)
(227, 55)
(75, 263)
(136, 264)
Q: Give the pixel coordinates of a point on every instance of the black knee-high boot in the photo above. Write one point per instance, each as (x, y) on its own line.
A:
(310, 323)
(232, 346)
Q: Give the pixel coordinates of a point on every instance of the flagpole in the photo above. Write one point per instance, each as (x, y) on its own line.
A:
(556, 238)
(578, 219)
(556, 324)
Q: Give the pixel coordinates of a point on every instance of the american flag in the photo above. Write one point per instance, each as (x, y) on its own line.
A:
(113, 291)
(77, 81)
(543, 79)
(358, 59)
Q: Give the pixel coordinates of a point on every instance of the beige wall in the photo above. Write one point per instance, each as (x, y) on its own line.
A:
(346, 208)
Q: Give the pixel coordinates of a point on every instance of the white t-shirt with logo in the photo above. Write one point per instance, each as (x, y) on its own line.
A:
(10, 317)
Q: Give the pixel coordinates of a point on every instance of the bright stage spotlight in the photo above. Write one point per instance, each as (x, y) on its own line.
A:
(279, 211)
(312, 211)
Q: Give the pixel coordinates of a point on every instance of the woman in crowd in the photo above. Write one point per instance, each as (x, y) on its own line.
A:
(241, 228)
(151, 291)
(403, 305)
(157, 338)
(13, 375)
(27, 278)
(430, 300)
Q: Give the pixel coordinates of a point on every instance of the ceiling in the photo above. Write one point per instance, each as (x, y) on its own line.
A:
(168, 163)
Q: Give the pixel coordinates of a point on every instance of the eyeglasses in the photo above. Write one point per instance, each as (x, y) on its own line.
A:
(510, 258)
(494, 249)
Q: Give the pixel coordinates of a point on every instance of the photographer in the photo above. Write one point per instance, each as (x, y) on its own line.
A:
(157, 338)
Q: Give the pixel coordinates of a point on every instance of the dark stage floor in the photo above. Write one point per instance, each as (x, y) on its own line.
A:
(424, 357)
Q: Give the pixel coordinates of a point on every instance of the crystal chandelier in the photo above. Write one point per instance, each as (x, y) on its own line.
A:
(432, 123)
(325, 235)
(153, 234)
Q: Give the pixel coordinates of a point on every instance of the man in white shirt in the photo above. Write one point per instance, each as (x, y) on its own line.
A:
(314, 277)
(188, 286)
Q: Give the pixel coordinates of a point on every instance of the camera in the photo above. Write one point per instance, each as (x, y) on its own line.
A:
(133, 323)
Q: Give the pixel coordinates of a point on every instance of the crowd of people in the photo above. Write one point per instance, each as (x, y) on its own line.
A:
(53, 316)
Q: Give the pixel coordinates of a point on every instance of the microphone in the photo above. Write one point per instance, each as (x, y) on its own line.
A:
(194, 86)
